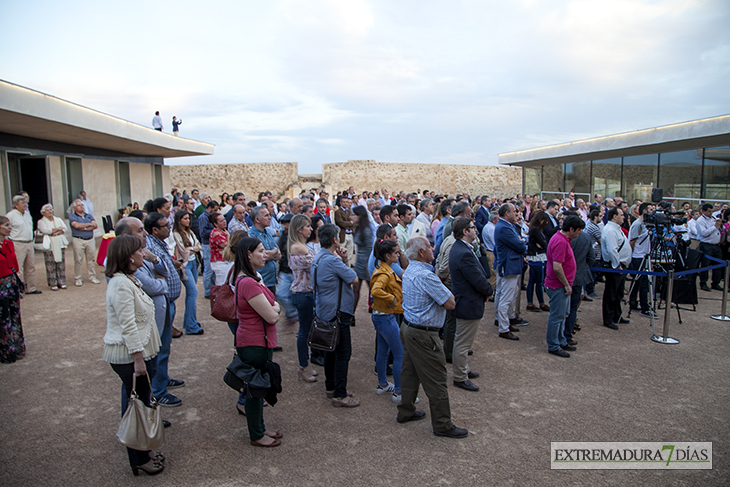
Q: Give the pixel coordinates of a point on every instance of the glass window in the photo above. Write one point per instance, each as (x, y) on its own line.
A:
(74, 179)
(607, 177)
(125, 192)
(532, 179)
(552, 181)
(639, 177)
(717, 173)
(680, 176)
(578, 179)
(157, 188)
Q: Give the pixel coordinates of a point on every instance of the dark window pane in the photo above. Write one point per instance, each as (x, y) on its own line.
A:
(680, 176)
(717, 173)
(639, 177)
(607, 177)
(532, 179)
(578, 179)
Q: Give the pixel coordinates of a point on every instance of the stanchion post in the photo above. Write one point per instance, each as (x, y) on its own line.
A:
(723, 316)
(665, 338)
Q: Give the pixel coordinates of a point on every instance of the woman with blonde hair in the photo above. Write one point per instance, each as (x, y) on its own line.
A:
(53, 229)
(300, 262)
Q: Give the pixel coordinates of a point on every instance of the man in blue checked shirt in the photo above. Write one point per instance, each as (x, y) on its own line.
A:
(158, 229)
(425, 301)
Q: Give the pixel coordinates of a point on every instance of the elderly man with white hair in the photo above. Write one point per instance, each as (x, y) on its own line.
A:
(84, 245)
(21, 234)
(425, 301)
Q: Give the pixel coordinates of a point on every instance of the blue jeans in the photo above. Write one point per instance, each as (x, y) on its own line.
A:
(336, 363)
(233, 326)
(304, 304)
(537, 278)
(160, 380)
(388, 340)
(572, 312)
(283, 293)
(559, 302)
(190, 321)
(208, 275)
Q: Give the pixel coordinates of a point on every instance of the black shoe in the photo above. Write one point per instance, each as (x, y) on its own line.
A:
(318, 360)
(623, 321)
(496, 322)
(166, 423)
(453, 432)
(523, 287)
(717, 287)
(612, 326)
(705, 287)
(467, 385)
(174, 383)
(278, 349)
(509, 336)
(569, 348)
(40, 292)
(199, 332)
(389, 370)
(470, 352)
(586, 298)
(560, 353)
(418, 415)
(518, 322)
(473, 375)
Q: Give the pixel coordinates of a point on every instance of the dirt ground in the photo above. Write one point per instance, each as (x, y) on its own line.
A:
(60, 405)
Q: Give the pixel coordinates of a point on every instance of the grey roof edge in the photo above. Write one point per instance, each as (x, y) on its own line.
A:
(679, 136)
(26, 101)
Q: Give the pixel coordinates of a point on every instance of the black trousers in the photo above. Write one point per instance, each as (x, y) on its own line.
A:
(612, 295)
(714, 251)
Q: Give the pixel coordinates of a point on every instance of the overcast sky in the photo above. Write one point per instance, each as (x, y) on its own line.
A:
(318, 81)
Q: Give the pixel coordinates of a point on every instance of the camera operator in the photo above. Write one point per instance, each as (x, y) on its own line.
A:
(640, 241)
(616, 251)
(708, 233)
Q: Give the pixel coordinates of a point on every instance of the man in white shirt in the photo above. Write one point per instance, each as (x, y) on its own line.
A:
(157, 122)
(708, 233)
(615, 249)
(640, 242)
(21, 234)
(88, 206)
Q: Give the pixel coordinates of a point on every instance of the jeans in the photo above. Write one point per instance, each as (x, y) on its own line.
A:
(284, 295)
(640, 286)
(304, 304)
(190, 321)
(233, 326)
(208, 276)
(255, 357)
(160, 380)
(336, 363)
(126, 372)
(572, 313)
(559, 302)
(537, 278)
(388, 340)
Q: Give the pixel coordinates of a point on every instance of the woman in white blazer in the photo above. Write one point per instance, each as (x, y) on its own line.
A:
(132, 340)
(54, 241)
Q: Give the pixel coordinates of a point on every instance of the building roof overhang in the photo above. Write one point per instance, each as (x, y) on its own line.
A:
(697, 134)
(30, 113)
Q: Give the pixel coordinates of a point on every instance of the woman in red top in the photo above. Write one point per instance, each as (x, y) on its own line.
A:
(12, 343)
(258, 312)
(218, 242)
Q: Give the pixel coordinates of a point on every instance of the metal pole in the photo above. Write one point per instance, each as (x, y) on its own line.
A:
(723, 316)
(665, 338)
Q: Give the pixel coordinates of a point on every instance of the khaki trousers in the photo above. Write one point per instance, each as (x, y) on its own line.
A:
(350, 246)
(493, 276)
(84, 248)
(25, 254)
(424, 364)
(466, 330)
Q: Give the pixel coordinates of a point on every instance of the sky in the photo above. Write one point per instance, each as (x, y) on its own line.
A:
(320, 81)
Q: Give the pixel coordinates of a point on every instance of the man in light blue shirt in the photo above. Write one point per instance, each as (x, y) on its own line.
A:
(261, 219)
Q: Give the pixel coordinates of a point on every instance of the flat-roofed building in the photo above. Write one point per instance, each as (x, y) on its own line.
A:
(690, 161)
(53, 149)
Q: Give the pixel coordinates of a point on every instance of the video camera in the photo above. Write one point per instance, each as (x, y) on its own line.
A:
(663, 215)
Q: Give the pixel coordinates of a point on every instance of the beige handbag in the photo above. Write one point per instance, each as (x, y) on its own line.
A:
(141, 427)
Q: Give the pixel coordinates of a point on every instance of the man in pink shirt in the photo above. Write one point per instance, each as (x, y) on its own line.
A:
(559, 283)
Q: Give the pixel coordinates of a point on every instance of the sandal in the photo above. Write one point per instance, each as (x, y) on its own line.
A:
(276, 435)
(345, 402)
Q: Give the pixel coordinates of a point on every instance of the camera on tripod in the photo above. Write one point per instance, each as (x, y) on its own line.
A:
(663, 216)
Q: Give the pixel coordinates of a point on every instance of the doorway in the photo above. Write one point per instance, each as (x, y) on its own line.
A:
(28, 173)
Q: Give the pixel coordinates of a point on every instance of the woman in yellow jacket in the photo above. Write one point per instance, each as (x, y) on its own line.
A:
(386, 289)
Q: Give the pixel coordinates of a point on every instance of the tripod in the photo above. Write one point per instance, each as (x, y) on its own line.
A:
(645, 266)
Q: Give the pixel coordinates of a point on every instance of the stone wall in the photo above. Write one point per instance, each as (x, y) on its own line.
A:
(282, 178)
(250, 179)
(499, 181)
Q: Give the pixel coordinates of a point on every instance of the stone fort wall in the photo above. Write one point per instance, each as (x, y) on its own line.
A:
(283, 178)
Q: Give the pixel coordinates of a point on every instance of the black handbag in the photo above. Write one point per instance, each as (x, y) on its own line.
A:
(324, 335)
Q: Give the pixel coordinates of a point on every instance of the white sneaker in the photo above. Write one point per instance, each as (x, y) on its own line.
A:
(94, 280)
(397, 399)
(79, 282)
(390, 388)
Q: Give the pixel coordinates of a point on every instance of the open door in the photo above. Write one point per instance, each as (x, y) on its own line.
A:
(29, 174)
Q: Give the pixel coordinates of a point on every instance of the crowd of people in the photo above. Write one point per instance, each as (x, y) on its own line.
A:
(430, 264)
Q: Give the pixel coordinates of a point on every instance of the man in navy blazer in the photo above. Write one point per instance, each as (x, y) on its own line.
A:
(482, 216)
(509, 254)
(471, 289)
